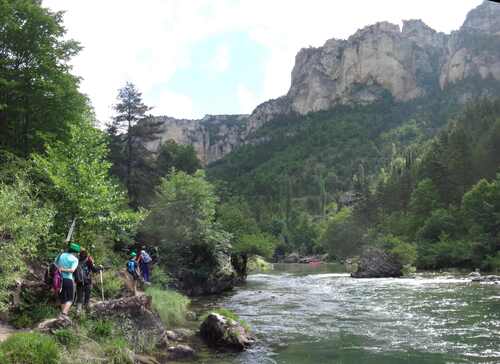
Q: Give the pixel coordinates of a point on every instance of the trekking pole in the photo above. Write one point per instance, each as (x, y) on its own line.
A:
(70, 232)
(102, 286)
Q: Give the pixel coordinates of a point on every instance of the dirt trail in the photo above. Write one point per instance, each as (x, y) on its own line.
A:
(6, 331)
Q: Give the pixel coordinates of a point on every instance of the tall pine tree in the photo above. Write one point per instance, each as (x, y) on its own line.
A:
(129, 131)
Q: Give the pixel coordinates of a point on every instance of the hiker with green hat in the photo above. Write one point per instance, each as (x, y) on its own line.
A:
(132, 267)
(67, 263)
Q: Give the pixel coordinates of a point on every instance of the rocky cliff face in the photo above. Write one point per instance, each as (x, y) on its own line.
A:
(212, 137)
(408, 63)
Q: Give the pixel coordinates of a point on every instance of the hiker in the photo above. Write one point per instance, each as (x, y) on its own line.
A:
(83, 279)
(132, 267)
(67, 263)
(144, 264)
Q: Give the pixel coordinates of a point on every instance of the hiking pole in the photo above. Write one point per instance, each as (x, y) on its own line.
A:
(70, 232)
(102, 286)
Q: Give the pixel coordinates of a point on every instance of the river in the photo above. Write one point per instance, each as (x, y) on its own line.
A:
(302, 314)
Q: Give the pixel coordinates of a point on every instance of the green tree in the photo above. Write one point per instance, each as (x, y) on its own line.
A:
(39, 97)
(343, 237)
(24, 223)
(182, 221)
(130, 131)
(178, 156)
(81, 187)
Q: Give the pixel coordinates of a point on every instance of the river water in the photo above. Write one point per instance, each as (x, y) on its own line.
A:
(303, 314)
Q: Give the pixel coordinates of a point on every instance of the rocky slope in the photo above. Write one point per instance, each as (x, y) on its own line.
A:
(408, 63)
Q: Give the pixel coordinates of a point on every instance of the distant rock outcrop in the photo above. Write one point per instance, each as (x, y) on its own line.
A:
(379, 59)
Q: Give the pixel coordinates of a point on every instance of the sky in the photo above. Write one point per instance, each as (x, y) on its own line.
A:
(190, 58)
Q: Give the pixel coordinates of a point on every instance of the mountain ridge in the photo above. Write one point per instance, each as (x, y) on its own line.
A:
(409, 62)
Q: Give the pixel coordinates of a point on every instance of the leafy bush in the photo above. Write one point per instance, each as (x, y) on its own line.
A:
(171, 306)
(113, 285)
(24, 222)
(405, 252)
(31, 315)
(29, 348)
(256, 244)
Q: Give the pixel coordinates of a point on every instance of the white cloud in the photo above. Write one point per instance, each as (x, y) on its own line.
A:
(175, 105)
(247, 99)
(220, 61)
(148, 42)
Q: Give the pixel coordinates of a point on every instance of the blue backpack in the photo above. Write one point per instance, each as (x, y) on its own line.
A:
(131, 266)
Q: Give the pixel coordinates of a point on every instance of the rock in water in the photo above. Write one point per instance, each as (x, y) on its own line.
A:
(180, 352)
(376, 263)
(224, 333)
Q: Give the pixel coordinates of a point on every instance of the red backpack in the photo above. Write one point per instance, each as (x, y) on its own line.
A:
(53, 277)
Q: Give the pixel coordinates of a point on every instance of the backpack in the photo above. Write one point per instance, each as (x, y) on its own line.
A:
(82, 273)
(131, 264)
(131, 268)
(53, 277)
(145, 257)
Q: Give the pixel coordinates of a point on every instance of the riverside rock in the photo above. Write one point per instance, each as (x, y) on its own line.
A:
(375, 263)
(224, 333)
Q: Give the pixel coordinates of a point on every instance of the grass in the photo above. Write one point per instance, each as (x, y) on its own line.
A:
(171, 306)
(67, 338)
(29, 348)
(229, 315)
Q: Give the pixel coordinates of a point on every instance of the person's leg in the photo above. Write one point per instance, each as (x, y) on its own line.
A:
(146, 272)
(80, 293)
(86, 293)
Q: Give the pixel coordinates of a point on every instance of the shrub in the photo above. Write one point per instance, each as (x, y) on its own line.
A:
(171, 306)
(159, 278)
(24, 223)
(29, 348)
(33, 309)
(113, 285)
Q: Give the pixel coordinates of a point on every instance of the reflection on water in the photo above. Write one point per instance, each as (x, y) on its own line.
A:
(303, 314)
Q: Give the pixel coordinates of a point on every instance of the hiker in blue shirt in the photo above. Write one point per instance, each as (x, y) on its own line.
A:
(132, 268)
(67, 263)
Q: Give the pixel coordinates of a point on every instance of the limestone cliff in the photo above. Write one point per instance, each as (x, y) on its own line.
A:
(407, 63)
(212, 137)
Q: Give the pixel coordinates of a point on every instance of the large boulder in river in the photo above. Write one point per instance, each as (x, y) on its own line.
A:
(209, 277)
(224, 333)
(376, 263)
